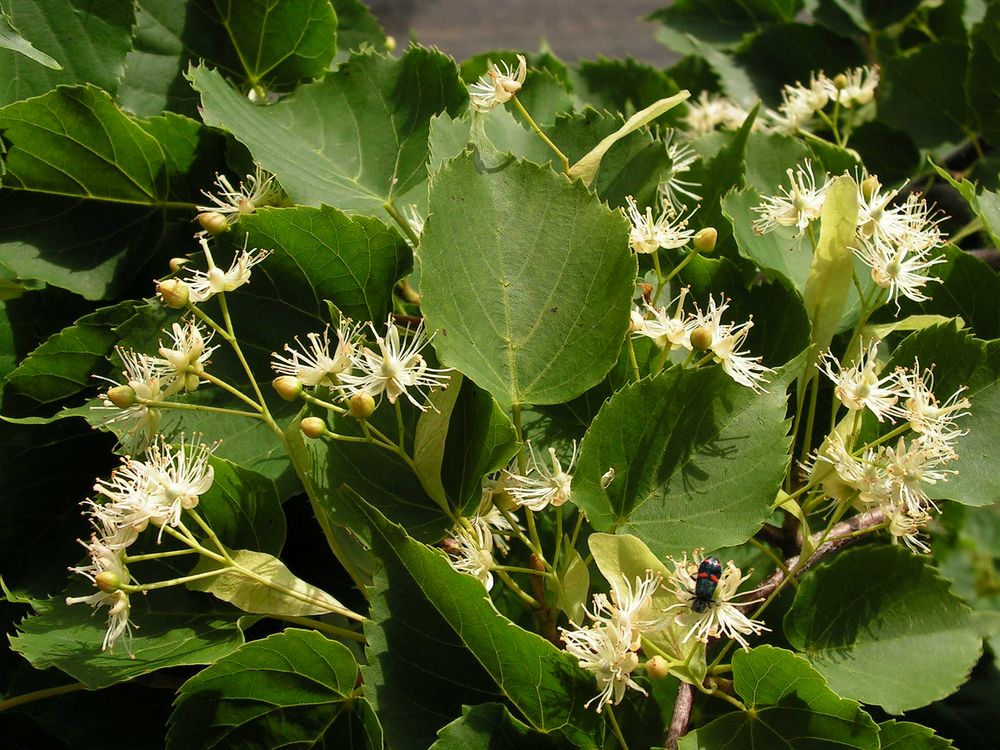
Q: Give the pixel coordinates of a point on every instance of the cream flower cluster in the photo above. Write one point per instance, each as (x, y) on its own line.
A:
(802, 102)
(396, 368)
(893, 478)
(258, 190)
(156, 490)
(895, 238)
(147, 379)
(703, 330)
(608, 647)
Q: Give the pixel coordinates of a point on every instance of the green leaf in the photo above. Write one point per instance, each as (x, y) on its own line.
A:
(832, 266)
(905, 735)
(356, 27)
(89, 40)
(985, 204)
(11, 39)
(175, 628)
(341, 471)
(586, 167)
(243, 508)
(489, 726)
(481, 439)
(624, 86)
(75, 142)
(861, 620)
(280, 44)
(509, 263)
(435, 642)
(67, 362)
(289, 596)
(787, 53)
(984, 68)
(723, 22)
(325, 255)
(791, 706)
(923, 92)
(169, 34)
(356, 139)
(697, 459)
(291, 689)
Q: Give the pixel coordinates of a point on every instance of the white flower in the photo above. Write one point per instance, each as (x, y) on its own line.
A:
(473, 552)
(150, 379)
(900, 268)
(414, 218)
(933, 421)
(107, 572)
(542, 486)
(189, 352)
(722, 616)
(711, 111)
(859, 386)
(258, 190)
(725, 340)
(906, 524)
(668, 231)
(865, 477)
(169, 481)
(605, 650)
(500, 84)
(490, 516)
(860, 88)
(631, 606)
(682, 156)
(665, 329)
(204, 284)
(910, 468)
(796, 206)
(395, 368)
(313, 364)
(799, 103)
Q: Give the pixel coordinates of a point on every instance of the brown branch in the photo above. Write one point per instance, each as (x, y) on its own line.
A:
(681, 717)
(839, 536)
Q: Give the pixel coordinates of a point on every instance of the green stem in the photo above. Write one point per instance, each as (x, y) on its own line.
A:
(310, 399)
(228, 322)
(39, 695)
(632, 359)
(390, 208)
(322, 627)
(230, 389)
(141, 587)
(400, 427)
(181, 406)
(518, 591)
(538, 131)
(209, 532)
(680, 266)
(728, 698)
(617, 729)
(127, 559)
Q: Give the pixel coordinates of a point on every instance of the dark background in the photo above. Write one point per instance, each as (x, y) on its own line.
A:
(574, 29)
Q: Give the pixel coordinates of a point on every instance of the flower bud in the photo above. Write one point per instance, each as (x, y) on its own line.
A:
(870, 186)
(840, 81)
(213, 222)
(121, 396)
(701, 339)
(191, 382)
(174, 293)
(176, 264)
(390, 43)
(108, 581)
(705, 239)
(313, 427)
(361, 405)
(656, 668)
(287, 386)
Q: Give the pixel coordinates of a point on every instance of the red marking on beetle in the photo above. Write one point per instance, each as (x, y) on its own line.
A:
(715, 579)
